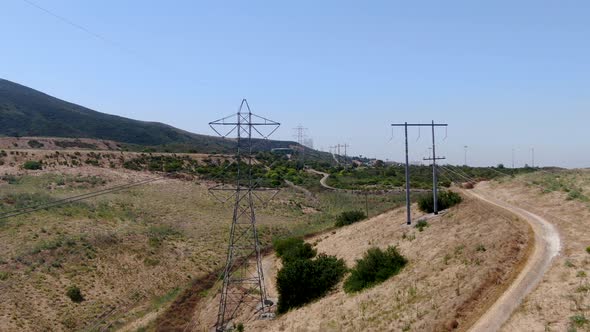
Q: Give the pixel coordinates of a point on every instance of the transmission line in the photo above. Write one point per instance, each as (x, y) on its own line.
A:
(72, 199)
(81, 28)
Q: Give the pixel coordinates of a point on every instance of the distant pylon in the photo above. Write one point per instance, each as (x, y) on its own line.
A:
(300, 135)
(243, 278)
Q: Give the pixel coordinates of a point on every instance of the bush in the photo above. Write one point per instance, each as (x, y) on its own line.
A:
(173, 166)
(375, 267)
(35, 144)
(75, 294)
(293, 248)
(303, 280)
(349, 217)
(33, 165)
(445, 200)
(421, 225)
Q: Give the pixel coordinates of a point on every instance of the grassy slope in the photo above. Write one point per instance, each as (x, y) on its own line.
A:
(454, 273)
(130, 252)
(561, 301)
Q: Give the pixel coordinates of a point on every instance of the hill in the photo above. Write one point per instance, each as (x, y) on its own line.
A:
(28, 112)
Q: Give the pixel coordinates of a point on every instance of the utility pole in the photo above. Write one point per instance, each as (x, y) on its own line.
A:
(243, 277)
(345, 154)
(367, 203)
(465, 160)
(434, 172)
(406, 125)
(512, 158)
(533, 157)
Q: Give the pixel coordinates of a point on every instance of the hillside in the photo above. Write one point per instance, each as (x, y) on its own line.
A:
(28, 112)
(130, 253)
(561, 300)
(454, 274)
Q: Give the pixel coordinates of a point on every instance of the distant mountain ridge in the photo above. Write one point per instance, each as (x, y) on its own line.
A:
(28, 112)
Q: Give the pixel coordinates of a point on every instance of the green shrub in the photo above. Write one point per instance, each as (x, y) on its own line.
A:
(33, 165)
(173, 166)
(588, 250)
(445, 200)
(421, 225)
(293, 248)
(75, 294)
(375, 267)
(303, 280)
(579, 320)
(349, 217)
(35, 144)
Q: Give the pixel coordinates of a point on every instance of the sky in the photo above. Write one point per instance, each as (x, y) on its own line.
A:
(505, 75)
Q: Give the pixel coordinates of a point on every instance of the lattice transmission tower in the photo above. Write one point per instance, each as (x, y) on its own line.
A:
(243, 278)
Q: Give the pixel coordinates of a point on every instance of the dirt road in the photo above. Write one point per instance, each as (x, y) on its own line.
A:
(324, 179)
(547, 246)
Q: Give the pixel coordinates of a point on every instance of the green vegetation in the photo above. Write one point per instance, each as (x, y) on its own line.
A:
(32, 165)
(293, 248)
(382, 176)
(579, 320)
(75, 294)
(349, 217)
(588, 250)
(303, 279)
(272, 170)
(445, 200)
(420, 225)
(75, 144)
(375, 267)
(35, 144)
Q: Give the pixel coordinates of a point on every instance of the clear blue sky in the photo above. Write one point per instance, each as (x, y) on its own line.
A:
(503, 74)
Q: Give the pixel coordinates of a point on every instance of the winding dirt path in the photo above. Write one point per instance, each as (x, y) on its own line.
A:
(547, 246)
(324, 179)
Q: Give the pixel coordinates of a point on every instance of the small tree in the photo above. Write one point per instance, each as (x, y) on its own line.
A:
(304, 280)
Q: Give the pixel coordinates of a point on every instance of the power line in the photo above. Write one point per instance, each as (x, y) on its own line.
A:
(82, 28)
(72, 199)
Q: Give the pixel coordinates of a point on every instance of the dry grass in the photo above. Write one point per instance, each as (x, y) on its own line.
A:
(132, 252)
(123, 250)
(450, 279)
(562, 297)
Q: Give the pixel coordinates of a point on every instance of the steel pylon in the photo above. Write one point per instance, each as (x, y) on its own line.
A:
(243, 277)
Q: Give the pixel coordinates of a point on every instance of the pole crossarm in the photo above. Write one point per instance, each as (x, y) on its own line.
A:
(419, 125)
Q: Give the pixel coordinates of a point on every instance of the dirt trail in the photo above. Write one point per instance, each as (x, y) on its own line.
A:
(547, 246)
(324, 179)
